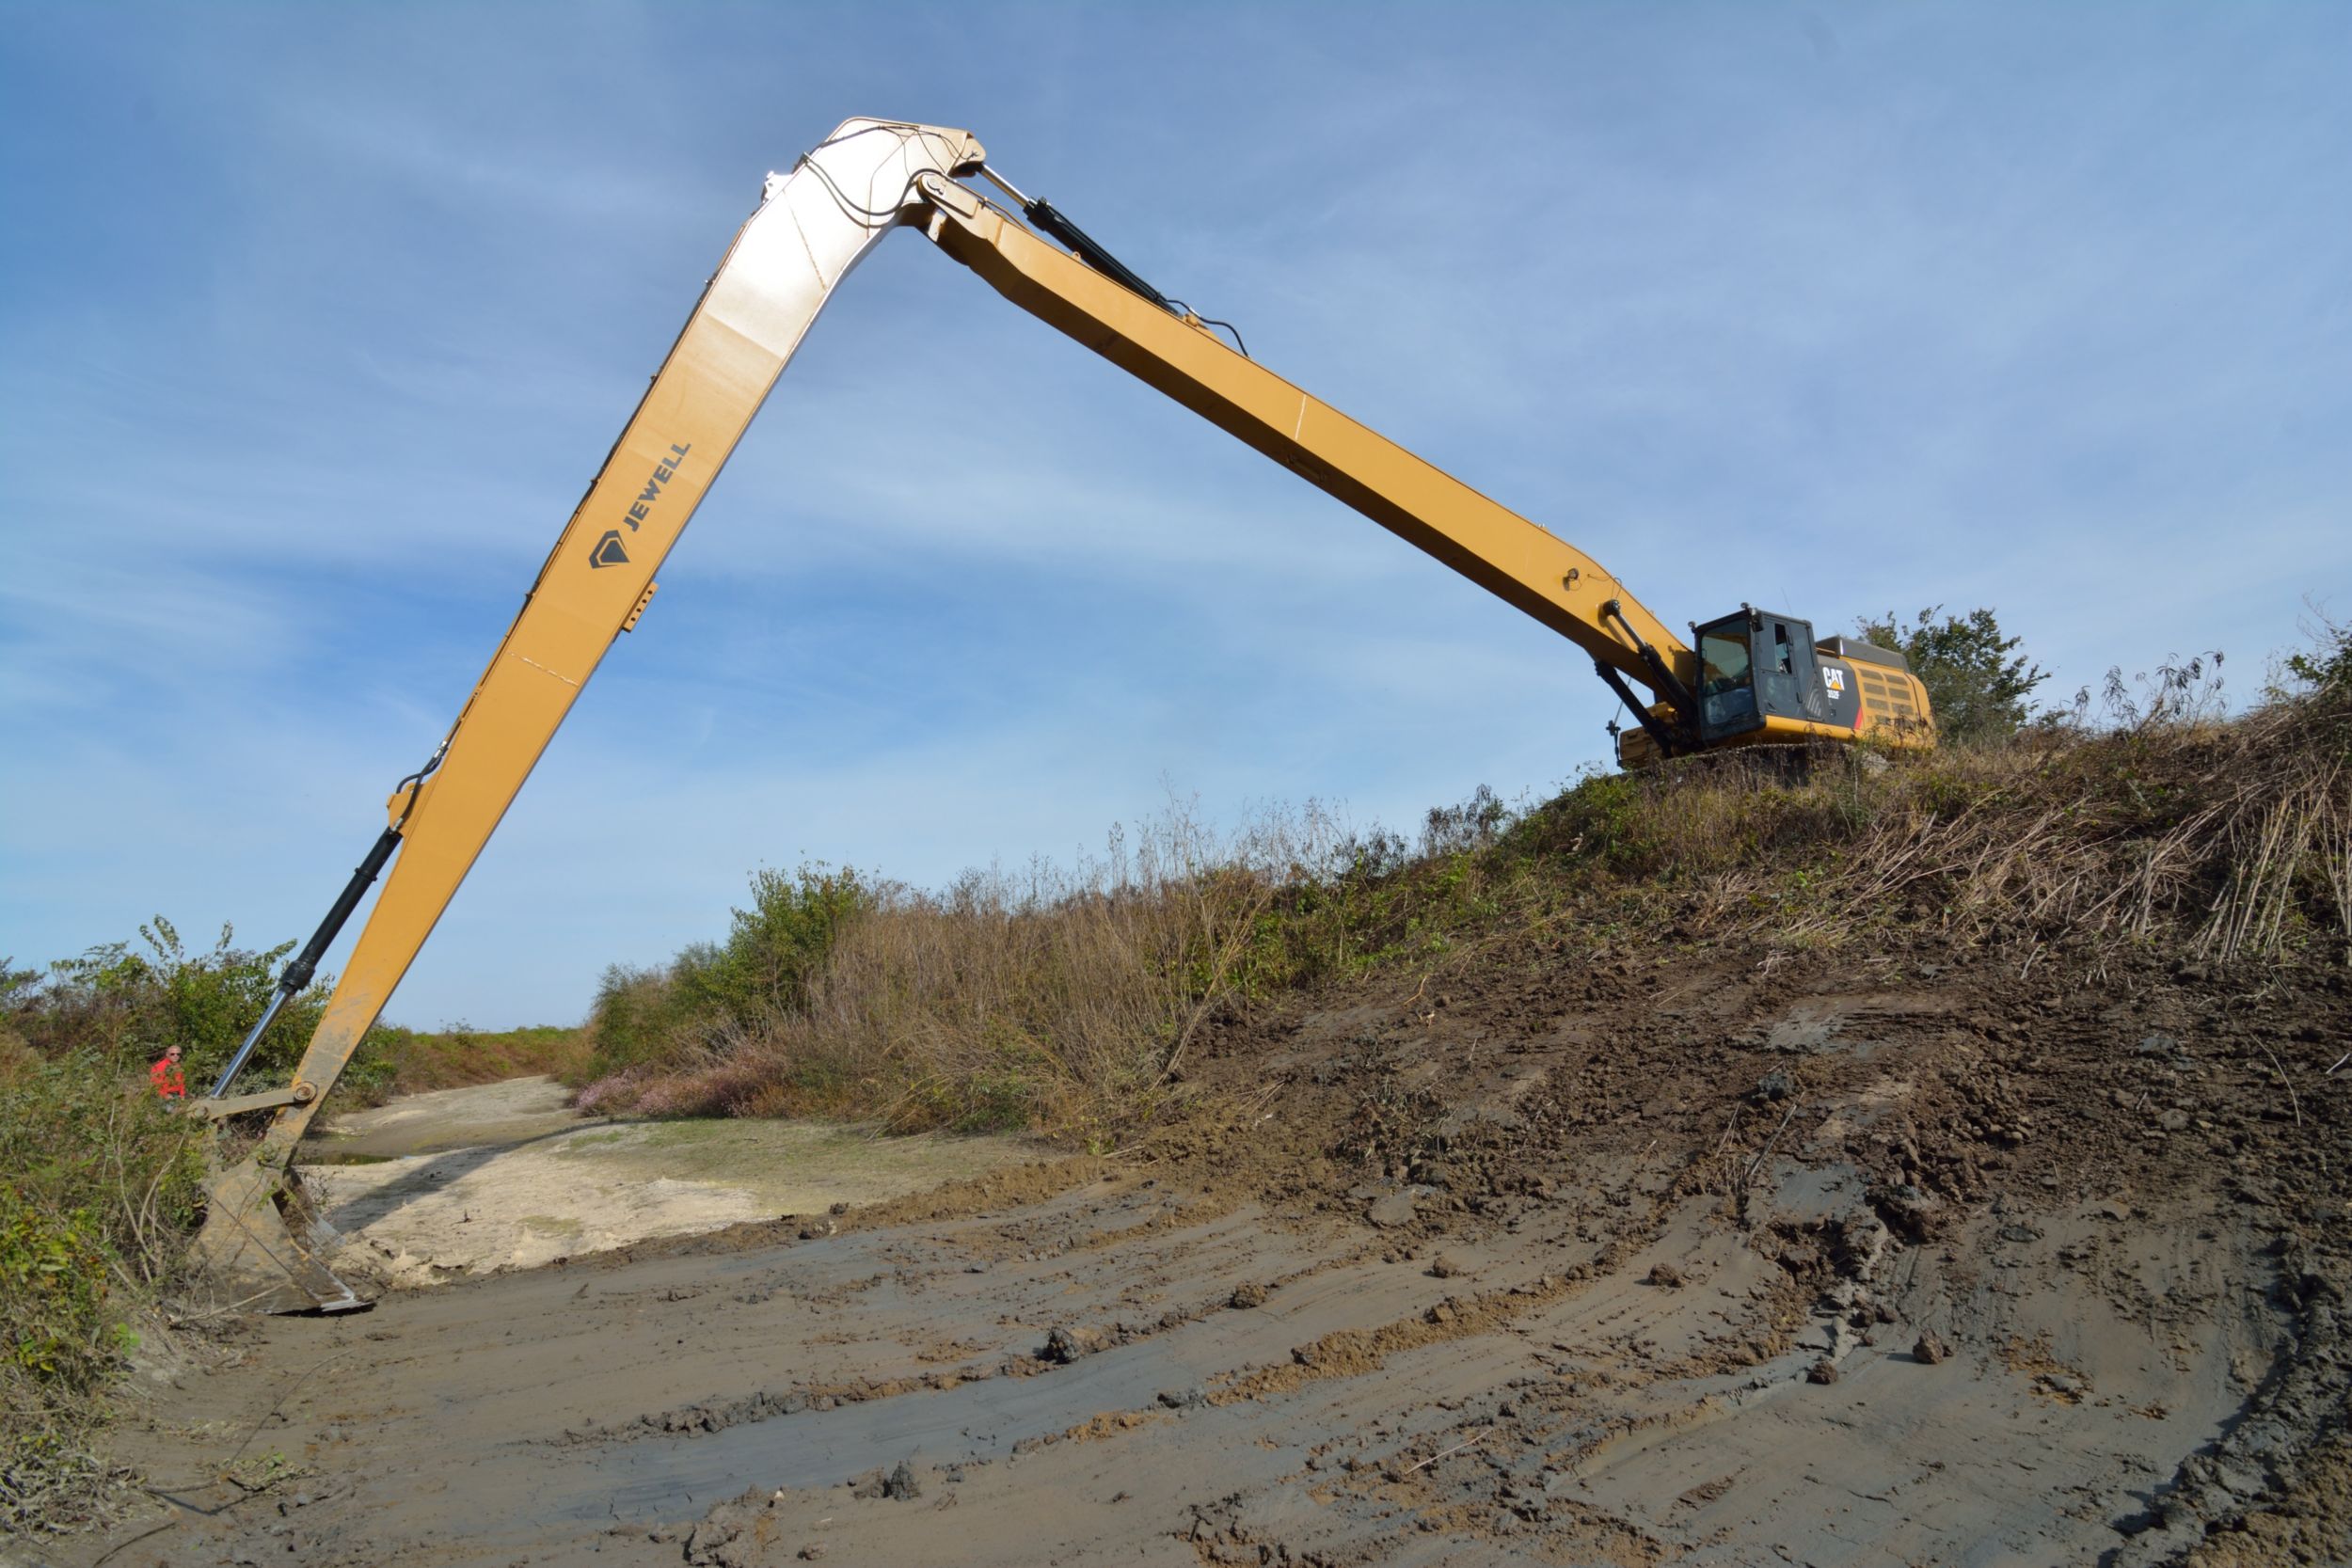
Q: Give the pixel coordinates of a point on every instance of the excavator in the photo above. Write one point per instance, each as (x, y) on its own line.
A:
(1749, 678)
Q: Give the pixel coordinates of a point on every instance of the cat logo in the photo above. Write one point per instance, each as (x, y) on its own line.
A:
(1835, 679)
(609, 551)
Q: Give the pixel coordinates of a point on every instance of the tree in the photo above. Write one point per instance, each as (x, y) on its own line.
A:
(1976, 679)
(2327, 664)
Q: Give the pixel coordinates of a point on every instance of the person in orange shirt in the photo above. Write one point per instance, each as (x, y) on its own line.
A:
(170, 1083)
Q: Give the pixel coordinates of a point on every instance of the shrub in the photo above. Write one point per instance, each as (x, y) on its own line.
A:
(2327, 664)
(128, 1005)
(104, 1185)
(712, 991)
(779, 944)
(631, 1021)
(103, 1178)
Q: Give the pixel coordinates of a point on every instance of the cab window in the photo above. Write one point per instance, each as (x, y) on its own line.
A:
(1726, 694)
(1723, 662)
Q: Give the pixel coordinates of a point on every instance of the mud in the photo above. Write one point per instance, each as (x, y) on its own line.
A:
(1836, 1257)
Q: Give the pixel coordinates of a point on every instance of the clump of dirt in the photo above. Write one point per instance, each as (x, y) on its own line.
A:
(718, 1415)
(898, 1486)
(1110, 1423)
(2307, 1520)
(1971, 1090)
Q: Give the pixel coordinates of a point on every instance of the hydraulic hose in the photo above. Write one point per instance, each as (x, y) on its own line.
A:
(306, 963)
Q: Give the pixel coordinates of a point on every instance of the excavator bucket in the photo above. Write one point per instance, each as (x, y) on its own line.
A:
(264, 1248)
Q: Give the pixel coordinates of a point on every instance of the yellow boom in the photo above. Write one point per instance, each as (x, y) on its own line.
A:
(813, 226)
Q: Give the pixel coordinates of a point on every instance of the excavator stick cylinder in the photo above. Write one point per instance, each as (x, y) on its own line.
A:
(306, 963)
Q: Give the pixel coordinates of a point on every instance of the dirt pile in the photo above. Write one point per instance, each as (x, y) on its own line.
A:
(1870, 1123)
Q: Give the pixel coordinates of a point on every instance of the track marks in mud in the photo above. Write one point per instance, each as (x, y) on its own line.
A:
(1063, 1346)
(1356, 1351)
(2289, 1450)
(1551, 1116)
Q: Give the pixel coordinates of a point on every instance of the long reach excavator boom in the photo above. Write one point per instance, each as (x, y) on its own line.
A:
(1754, 676)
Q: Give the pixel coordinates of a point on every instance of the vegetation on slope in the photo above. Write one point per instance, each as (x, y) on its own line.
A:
(416, 1061)
(1062, 1000)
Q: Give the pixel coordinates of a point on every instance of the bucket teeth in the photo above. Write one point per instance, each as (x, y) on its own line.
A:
(262, 1249)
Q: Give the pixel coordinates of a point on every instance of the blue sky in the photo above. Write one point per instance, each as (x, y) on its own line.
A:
(315, 322)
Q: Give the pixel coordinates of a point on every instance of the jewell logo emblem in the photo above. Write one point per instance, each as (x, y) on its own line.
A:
(610, 551)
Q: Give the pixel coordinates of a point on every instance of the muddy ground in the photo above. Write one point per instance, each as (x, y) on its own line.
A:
(1715, 1257)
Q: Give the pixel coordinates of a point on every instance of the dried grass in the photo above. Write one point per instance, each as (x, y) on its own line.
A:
(1059, 999)
(2228, 828)
(1066, 999)
(2232, 838)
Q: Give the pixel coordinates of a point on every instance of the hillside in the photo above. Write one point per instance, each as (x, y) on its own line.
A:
(1840, 1163)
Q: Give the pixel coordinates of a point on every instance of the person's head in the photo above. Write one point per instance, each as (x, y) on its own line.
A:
(171, 1055)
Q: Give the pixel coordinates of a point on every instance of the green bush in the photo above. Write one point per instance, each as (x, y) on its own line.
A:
(635, 1013)
(775, 947)
(103, 1189)
(103, 1178)
(129, 1004)
(53, 1294)
(714, 992)
(2326, 665)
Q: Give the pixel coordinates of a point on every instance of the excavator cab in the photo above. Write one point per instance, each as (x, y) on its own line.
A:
(1755, 667)
(1762, 680)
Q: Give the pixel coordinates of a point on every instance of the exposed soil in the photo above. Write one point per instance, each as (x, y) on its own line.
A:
(506, 1175)
(484, 1116)
(1865, 1256)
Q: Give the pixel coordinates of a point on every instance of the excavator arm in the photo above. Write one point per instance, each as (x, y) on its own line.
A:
(813, 224)
(1497, 548)
(812, 227)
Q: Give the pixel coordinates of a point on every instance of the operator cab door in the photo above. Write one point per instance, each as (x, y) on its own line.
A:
(1787, 685)
(1726, 680)
(1754, 666)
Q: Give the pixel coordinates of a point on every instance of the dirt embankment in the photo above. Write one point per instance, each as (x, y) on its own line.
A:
(1713, 1256)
